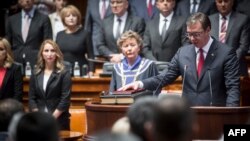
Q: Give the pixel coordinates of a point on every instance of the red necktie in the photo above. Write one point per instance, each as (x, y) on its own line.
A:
(223, 30)
(150, 8)
(200, 62)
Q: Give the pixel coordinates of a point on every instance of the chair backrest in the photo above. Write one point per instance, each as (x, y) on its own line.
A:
(107, 69)
(161, 65)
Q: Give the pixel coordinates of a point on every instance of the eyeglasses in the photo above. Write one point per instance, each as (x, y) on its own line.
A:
(119, 2)
(194, 34)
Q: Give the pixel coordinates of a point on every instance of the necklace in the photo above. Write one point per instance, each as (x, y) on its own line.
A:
(135, 76)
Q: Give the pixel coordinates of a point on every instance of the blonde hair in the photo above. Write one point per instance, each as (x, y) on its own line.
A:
(70, 9)
(9, 55)
(40, 65)
(128, 35)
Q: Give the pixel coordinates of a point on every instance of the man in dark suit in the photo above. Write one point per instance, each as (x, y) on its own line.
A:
(113, 26)
(210, 69)
(235, 27)
(37, 28)
(145, 9)
(161, 44)
(186, 7)
(97, 10)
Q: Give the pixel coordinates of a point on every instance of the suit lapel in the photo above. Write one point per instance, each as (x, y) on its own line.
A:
(128, 23)
(110, 28)
(216, 27)
(155, 31)
(32, 25)
(40, 83)
(97, 11)
(50, 81)
(171, 27)
(231, 22)
(192, 58)
(19, 27)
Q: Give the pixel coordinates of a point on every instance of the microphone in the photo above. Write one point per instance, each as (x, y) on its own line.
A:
(159, 85)
(184, 78)
(210, 87)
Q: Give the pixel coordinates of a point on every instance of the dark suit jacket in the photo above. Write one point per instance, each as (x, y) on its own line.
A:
(106, 42)
(221, 67)
(39, 30)
(93, 21)
(207, 7)
(12, 86)
(237, 36)
(155, 48)
(56, 96)
(139, 8)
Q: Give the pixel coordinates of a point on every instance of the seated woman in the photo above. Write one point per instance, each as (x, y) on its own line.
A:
(50, 84)
(133, 67)
(11, 79)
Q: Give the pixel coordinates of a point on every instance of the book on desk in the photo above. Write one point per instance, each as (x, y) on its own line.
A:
(124, 97)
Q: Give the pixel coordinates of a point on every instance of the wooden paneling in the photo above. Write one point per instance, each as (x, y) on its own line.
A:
(210, 120)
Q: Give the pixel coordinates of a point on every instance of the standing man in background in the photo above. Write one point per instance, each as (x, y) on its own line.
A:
(97, 11)
(165, 33)
(26, 31)
(145, 9)
(187, 7)
(233, 29)
(113, 26)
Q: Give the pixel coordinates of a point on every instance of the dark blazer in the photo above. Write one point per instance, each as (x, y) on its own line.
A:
(12, 86)
(220, 74)
(93, 21)
(237, 36)
(56, 96)
(139, 8)
(155, 48)
(39, 30)
(207, 7)
(106, 42)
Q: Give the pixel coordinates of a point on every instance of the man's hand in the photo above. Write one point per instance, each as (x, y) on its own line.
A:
(132, 86)
(116, 58)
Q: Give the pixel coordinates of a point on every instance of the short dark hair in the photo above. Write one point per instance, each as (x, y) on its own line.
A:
(139, 113)
(8, 107)
(35, 126)
(173, 118)
(199, 17)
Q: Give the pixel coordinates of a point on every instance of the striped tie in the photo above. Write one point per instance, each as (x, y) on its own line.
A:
(223, 30)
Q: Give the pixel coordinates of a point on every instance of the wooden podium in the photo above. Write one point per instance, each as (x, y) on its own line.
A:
(210, 120)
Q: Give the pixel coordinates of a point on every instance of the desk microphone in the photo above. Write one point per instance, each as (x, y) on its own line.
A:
(159, 85)
(184, 78)
(210, 87)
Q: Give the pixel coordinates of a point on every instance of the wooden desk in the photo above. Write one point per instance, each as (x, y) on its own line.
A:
(70, 135)
(88, 89)
(210, 120)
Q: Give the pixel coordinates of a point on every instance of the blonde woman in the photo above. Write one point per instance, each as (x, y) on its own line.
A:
(133, 67)
(11, 80)
(75, 42)
(50, 84)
